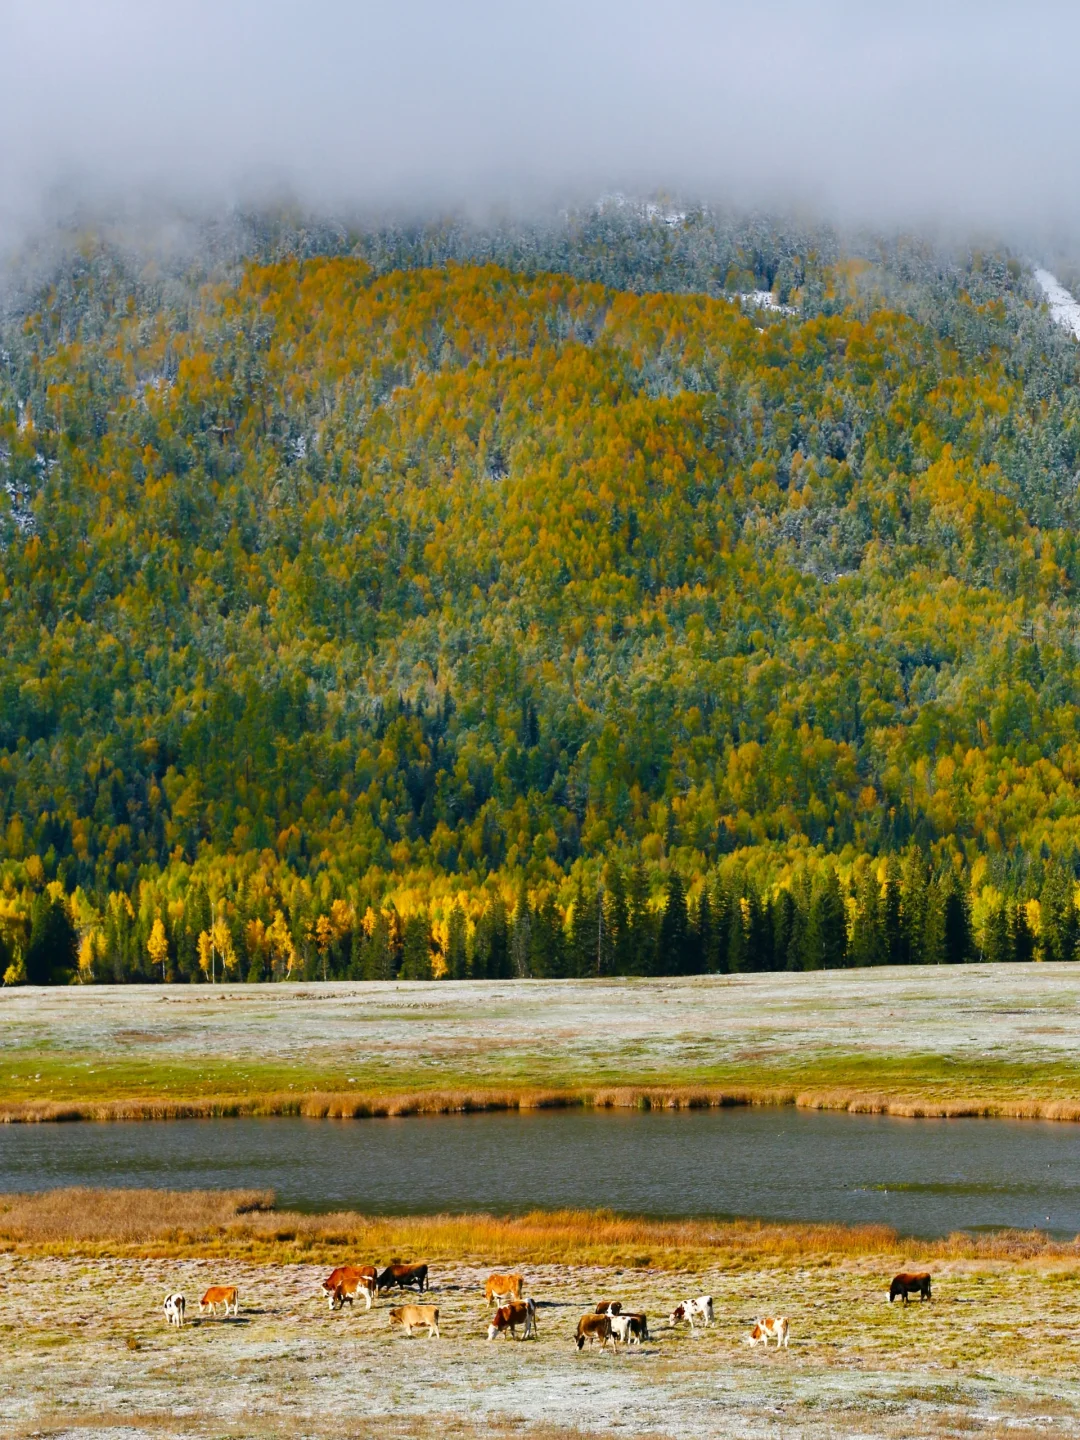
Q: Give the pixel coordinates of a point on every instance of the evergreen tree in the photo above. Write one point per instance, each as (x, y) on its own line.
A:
(547, 956)
(675, 957)
(642, 927)
(759, 937)
(914, 910)
(783, 926)
(892, 913)
(868, 938)
(617, 912)
(52, 953)
(378, 952)
(703, 939)
(997, 936)
(457, 955)
(491, 948)
(826, 937)
(521, 935)
(416, 947)
(1022, 935)
(957, 939)
(1057, 915)
(798, 948)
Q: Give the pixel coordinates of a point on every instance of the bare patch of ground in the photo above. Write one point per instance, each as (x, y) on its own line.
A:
(84, 1351)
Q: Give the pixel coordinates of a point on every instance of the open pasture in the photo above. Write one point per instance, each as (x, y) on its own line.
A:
(84, 1348)
(919, 1040)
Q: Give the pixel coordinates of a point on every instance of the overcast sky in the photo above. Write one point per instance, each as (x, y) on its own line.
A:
(877, 109)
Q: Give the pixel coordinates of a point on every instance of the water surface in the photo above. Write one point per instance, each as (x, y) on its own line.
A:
(925, 1177)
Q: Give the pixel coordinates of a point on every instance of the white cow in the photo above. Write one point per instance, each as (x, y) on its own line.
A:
(629, 1329)
(699, 1309)
(175, 1305)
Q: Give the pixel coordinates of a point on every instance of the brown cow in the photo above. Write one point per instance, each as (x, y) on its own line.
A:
(501, 1289)
(903, 1283)
(343, 1283)
(220, 1295)
(508, 1317)
(593, 1327)
(609, 1307)
(402, 1276)
(409, 1317)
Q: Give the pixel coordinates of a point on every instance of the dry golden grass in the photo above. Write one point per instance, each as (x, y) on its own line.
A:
(353, 1105)
(244, 1224)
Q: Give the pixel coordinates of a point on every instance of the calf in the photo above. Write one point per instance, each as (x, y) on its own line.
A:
(903, 1284)
(402, 1276)
(501, 1289)
(343, 1283)
(630, 1329)
(774, 1327)
(701, 1309)
(410, 1317)
(508, 1317)
(609, 1307)
(175, 1306)
(593, 1327)
(220, 1295)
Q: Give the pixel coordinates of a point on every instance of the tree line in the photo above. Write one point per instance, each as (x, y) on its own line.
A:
(898, 911)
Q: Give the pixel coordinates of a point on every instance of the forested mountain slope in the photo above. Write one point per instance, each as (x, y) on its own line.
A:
(384, 615)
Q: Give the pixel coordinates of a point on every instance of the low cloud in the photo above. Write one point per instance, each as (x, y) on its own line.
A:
(906, 111)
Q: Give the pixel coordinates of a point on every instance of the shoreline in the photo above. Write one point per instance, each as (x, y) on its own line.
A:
(368, 1105)
(246, 1223)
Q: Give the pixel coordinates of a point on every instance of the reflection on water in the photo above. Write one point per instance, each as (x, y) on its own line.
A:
(926, 1177)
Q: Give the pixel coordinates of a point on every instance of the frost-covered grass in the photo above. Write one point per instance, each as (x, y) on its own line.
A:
(85, 1351)
(997, 1039)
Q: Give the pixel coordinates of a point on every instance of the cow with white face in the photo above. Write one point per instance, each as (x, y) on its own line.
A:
(175, 1306)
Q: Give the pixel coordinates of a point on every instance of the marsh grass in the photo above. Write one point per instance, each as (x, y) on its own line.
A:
(245, 1224)
(931, 1103)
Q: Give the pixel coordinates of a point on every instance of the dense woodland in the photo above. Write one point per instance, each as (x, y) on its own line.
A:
(529, 601)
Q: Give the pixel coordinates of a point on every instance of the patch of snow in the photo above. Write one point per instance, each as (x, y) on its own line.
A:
(765, 300)
(1064, 308)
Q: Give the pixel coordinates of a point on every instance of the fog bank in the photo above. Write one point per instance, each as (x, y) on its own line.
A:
(908, 112)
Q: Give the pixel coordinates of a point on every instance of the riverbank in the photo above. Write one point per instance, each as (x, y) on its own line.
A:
(246, 1225)
(967, 1040)
(991, 1356)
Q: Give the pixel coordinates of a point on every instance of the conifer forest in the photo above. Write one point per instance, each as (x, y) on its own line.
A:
(636, 591)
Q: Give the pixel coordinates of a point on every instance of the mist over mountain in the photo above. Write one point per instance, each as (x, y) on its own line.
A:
(886, 114)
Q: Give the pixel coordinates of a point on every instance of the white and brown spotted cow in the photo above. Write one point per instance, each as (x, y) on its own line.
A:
(175, 1307)
(773, 1327)
(342, 1284)
(509, 1317)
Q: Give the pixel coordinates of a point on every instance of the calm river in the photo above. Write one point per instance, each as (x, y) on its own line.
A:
(926, 1177)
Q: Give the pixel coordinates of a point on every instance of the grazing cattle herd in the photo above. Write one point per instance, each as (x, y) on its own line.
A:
(608, 1324)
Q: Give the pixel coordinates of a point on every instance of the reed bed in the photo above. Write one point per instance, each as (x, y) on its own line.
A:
(245, 1224)
(365, 1105)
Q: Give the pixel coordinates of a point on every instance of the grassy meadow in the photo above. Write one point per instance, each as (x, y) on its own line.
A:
(84, 1349)
(974, 1039)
